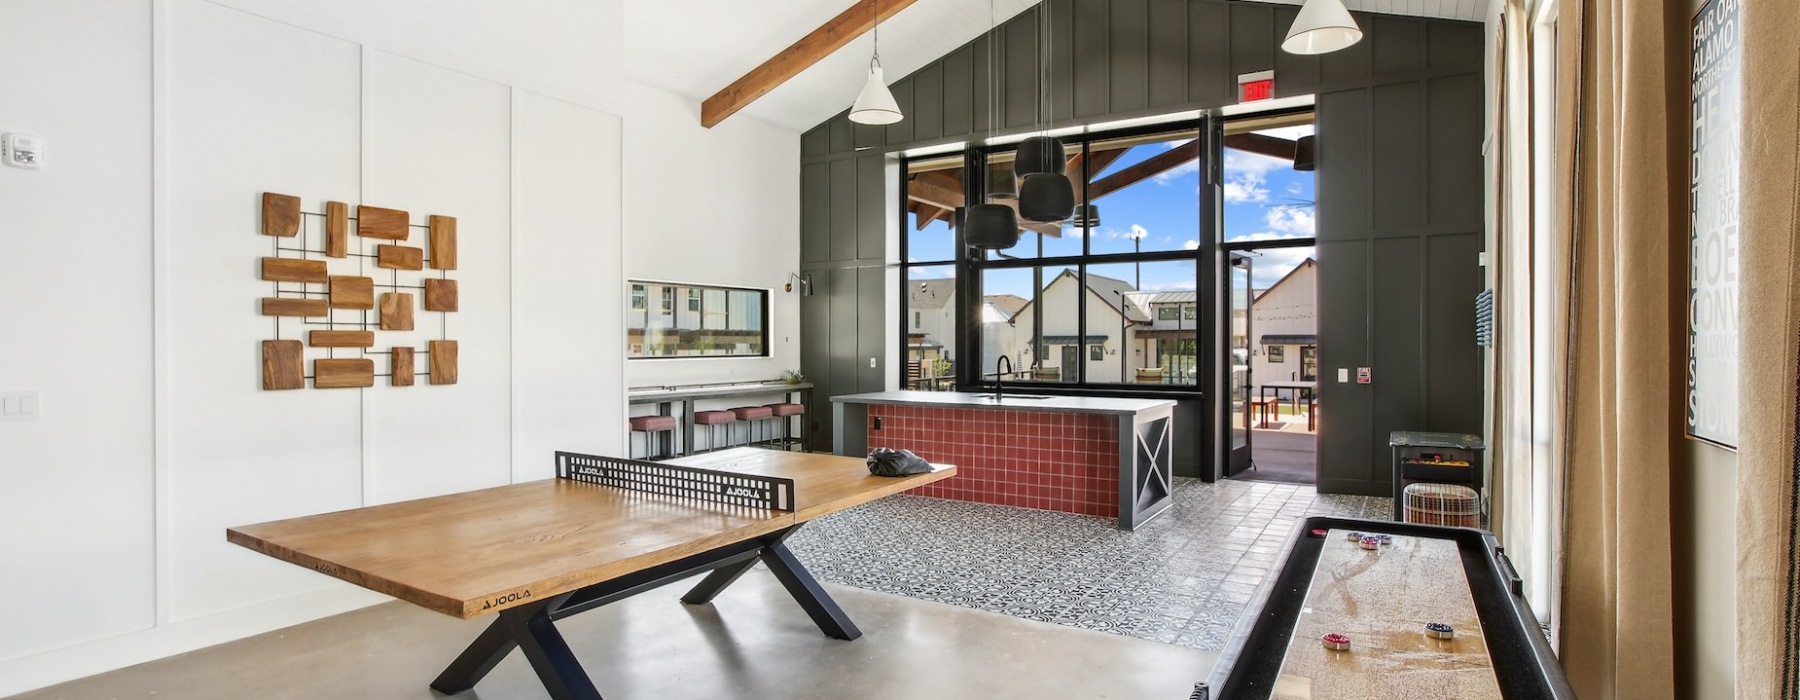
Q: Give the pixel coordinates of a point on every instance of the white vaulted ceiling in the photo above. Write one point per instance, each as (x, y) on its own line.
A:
(697, 47)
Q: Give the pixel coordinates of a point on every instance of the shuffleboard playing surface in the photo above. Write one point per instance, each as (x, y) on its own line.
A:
(1382, 599)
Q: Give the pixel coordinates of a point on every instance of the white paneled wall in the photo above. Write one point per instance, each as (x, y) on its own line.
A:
(251, 105)
(76, 516)
(568, 303)
(137, 249)
(435, 141)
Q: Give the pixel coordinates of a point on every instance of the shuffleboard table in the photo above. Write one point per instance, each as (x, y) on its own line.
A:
(1369, 609)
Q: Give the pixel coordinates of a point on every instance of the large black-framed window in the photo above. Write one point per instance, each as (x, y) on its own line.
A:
(1123, 294)
(1079, 303)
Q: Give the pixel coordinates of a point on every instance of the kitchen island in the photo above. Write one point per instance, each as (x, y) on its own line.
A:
(1101, 456)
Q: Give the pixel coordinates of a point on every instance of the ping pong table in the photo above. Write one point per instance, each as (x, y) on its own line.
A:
(603, 530)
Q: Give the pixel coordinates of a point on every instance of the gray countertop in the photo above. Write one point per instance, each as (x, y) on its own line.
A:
(1021, 401)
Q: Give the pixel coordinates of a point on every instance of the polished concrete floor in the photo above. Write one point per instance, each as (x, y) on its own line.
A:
(752, 642)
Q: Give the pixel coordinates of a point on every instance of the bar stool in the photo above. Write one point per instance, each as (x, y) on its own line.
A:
(712, 420)
(650, 426)
(750, 415)
(785, 411)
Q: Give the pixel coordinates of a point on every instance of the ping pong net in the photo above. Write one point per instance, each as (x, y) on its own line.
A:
(693, 483)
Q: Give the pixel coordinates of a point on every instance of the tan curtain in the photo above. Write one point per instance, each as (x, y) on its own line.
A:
(1768, 591)
(1620, 109)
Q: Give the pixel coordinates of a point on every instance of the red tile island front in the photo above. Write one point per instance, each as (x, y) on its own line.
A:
(1051, 453)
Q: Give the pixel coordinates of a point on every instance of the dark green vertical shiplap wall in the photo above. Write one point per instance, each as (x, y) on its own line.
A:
(1400, 202)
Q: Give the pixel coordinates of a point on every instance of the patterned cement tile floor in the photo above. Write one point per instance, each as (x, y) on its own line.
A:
(1184, 578)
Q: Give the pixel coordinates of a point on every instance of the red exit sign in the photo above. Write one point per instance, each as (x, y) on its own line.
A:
(1256, 86)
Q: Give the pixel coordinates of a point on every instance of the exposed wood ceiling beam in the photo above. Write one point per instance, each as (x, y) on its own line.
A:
(924, 190)
(1270, 146)
(1155, 165)
(1100, 160)
(789, 62)
(927, 214)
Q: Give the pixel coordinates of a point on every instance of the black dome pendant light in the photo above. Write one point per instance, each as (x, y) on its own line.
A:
(1045, 193)
(1046, 197)
(1038, 154)
(990, 226)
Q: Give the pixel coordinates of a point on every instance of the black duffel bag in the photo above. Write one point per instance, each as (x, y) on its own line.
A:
(887, 461)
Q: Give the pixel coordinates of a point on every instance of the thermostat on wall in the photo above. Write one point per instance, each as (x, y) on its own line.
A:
(22, 151)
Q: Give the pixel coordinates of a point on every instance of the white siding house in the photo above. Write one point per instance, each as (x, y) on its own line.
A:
(1284, 328)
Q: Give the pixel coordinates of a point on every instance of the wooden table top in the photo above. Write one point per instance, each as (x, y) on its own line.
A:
(472, 553)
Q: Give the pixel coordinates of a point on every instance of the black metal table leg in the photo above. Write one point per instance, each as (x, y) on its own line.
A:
(808, 593)
(550, 656)
(716, 582)
(477, 660)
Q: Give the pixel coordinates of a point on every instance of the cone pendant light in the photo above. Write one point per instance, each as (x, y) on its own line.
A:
(1323, 26)
(876, 104)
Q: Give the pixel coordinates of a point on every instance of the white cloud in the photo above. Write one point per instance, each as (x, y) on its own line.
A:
(1291, 219)
(1138, 232)
(1295, 188)
(1245, 191)
(1191, 245)
(1247, 175)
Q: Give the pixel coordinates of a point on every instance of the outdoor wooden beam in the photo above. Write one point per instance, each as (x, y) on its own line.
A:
(928, 213)
(1155, 165)
(1270, 146)
(921, 189)
(1100, 160)
(786, 64)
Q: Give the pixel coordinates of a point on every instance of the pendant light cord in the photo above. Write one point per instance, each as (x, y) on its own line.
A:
(875, 60)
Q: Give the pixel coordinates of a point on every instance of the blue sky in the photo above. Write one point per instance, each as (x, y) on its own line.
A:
(1265, 199)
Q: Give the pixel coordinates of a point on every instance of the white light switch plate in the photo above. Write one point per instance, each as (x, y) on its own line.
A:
(18, 405)
(1343, 375)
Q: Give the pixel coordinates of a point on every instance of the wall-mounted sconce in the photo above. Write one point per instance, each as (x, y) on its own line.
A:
(805, 283)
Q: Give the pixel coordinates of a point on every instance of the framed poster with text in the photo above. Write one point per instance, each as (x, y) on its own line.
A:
(1717, 100)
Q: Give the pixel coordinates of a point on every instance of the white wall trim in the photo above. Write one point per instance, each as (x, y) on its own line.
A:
(160, 321)
(88, 658)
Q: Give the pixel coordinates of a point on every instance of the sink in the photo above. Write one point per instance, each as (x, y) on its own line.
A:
(1006, 397)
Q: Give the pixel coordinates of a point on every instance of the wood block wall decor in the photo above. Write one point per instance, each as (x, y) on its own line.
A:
(352, 292)
(341, 339)
(440, 295)
(337, 229)
(343, 374)
(308, 261)
(282, 366)
(443, 242)
(272, 306)
(293, 270)
(280, 214)
(399, 257)
(396, 312)
(443, 361)
(400, 366)
(376, 222)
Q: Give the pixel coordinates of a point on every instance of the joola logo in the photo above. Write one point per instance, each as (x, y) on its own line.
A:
(741, 491)
(508, 598)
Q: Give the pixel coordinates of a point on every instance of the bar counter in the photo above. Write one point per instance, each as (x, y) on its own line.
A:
(1100, 456)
